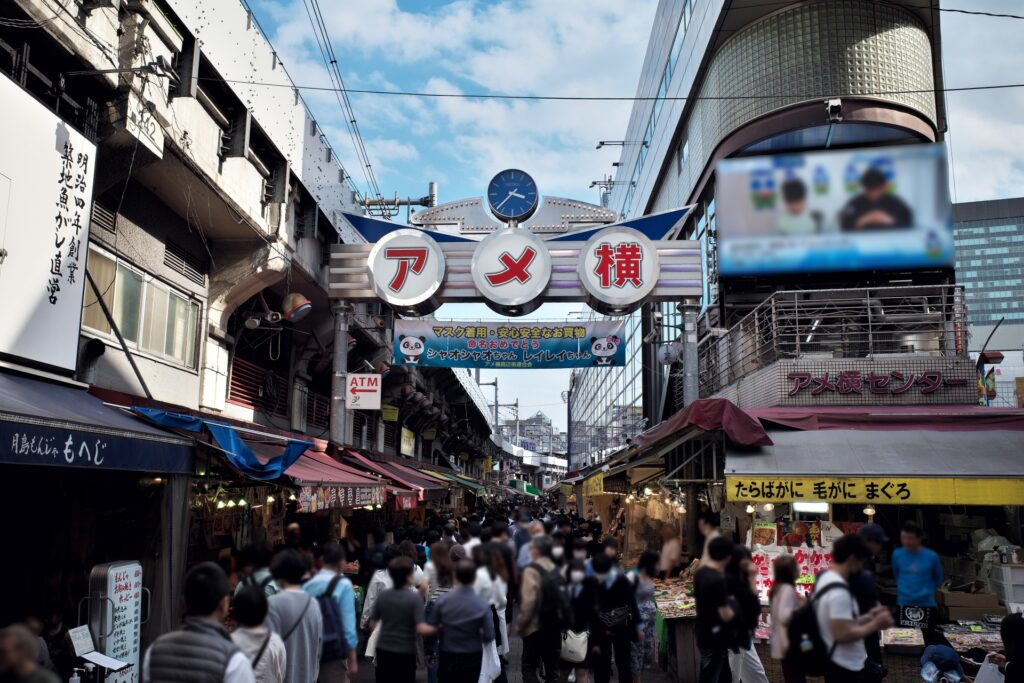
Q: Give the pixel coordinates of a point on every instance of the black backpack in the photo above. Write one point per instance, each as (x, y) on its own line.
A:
(807, 649)
(555, 610)
(334, 646)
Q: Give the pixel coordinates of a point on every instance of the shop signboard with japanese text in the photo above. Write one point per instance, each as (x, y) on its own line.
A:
(116, 616)
(880, 490)
(46, 188)
(870, 209)
(526, 345)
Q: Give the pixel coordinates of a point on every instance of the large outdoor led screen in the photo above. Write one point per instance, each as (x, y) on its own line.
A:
(871, 209)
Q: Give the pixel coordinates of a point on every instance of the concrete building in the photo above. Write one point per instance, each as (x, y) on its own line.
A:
(728, 79)
(215, 201)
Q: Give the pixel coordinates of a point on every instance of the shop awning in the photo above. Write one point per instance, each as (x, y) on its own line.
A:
(462, 481)
(890, 466)
(43, 423)
(428, 488)
(328, 484)
(229, 439)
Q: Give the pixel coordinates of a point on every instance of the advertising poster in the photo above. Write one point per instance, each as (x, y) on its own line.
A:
(872, 209)
(524, 345)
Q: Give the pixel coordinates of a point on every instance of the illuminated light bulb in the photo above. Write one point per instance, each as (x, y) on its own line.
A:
(292, 497)
(869, 511)
(242, 503)
(220, 505)
(270, 499)
(648, 491)
(668, 501)
(367, 507)
(750, 509)
(158, 480)
(378, 506)
(630, 498)
(231, 503)
(768, 507)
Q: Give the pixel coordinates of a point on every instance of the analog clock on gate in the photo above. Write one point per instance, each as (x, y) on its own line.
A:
(512, 195)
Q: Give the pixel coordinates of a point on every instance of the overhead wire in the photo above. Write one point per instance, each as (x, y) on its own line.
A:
(617, 98)
(330, 59)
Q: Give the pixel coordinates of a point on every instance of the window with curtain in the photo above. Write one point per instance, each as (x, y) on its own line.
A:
(151, 316)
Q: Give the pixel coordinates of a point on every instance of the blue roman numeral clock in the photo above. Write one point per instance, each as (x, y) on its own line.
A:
(512, 195)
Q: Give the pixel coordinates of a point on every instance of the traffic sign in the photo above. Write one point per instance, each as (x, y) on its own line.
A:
(362, 391)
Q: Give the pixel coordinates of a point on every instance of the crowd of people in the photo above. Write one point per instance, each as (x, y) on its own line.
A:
(446, 599)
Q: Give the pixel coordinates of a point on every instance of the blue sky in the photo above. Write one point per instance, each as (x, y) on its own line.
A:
(571, 47)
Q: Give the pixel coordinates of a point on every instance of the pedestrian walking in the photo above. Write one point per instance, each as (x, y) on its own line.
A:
(535, 623)
(865, 592)
(642, 650)
(264, 648)
(295, 616)
(841, 625)
(715, 612)
(19, 657)
(399, 611)
(466, 627)
(744, 663)
(619, 621)
(334, 591)
(202, 646)
(784, 601)
(380, 581)
(582, 590)
(707, 524)
(255, 562)
(440, 578)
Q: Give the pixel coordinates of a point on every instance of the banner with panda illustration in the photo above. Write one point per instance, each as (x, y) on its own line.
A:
(506, 345)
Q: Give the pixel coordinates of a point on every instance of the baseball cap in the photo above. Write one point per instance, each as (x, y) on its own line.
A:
(873, 532)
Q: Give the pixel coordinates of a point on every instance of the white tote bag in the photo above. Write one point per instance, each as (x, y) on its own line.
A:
(490, 667)
(371, 643)
(574, 646)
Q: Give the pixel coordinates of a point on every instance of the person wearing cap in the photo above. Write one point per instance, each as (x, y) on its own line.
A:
(865, 592)
(875, 208)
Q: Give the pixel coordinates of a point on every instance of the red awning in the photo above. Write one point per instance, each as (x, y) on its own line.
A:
(428, 489)
(943, 418)
(320, 468)
(708, 414)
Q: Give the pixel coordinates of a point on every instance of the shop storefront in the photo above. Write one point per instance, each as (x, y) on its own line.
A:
(87, 484)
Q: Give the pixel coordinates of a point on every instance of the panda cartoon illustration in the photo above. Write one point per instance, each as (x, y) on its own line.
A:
(411, 349)
(604, 348)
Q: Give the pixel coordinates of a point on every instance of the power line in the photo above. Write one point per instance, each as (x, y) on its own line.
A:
(610, 98)
(323, 41)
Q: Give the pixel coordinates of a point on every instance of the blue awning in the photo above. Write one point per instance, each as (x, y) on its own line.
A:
(239, 454)
(44, 423)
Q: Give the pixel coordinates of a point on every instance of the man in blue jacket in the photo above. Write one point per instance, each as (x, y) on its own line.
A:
(918, 574)
(345, 669)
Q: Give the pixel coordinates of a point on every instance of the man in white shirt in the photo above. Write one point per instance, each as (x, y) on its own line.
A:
(843, 628)
(202, 646)
(474, 530)
(295, 615)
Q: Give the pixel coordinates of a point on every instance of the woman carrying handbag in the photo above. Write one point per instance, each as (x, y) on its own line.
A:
(576, 649)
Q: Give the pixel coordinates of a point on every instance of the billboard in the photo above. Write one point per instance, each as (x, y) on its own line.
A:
(503, 345)
(46, 183)
(885, 208)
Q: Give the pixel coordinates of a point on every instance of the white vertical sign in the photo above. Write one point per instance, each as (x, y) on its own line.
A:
(46, 184)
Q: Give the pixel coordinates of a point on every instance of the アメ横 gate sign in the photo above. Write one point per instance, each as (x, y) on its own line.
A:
(613, 268)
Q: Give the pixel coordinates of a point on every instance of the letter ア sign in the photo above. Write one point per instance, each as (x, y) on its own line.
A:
(362, 391)
(513, 270)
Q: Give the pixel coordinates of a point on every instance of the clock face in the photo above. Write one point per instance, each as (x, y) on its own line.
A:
(512, 195)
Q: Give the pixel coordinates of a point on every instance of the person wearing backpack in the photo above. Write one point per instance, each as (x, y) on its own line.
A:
(538, 622)
(255, 563)
(264, 648)
(337, 600)
(619, 622)
(294, 615)
(841, 626)
(715, 612)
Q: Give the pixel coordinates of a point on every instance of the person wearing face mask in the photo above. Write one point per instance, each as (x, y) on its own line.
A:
(642, 651)
(582, 591)
(619, 621)
(558, 549)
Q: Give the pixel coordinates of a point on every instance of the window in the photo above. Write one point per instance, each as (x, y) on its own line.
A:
(151, 316)
(683, 154)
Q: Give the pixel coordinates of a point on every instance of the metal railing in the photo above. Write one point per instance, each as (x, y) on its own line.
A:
(878, 322)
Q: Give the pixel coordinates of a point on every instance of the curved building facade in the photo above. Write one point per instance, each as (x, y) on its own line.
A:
(726, 78)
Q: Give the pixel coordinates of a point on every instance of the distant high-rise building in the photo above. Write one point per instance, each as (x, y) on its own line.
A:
(990, 259)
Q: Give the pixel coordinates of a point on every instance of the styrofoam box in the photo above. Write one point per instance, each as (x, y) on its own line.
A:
(1008, 574)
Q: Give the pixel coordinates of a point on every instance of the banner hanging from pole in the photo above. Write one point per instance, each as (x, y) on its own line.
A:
(500, 345)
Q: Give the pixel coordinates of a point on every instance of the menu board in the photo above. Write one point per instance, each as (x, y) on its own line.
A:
(116, 595)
